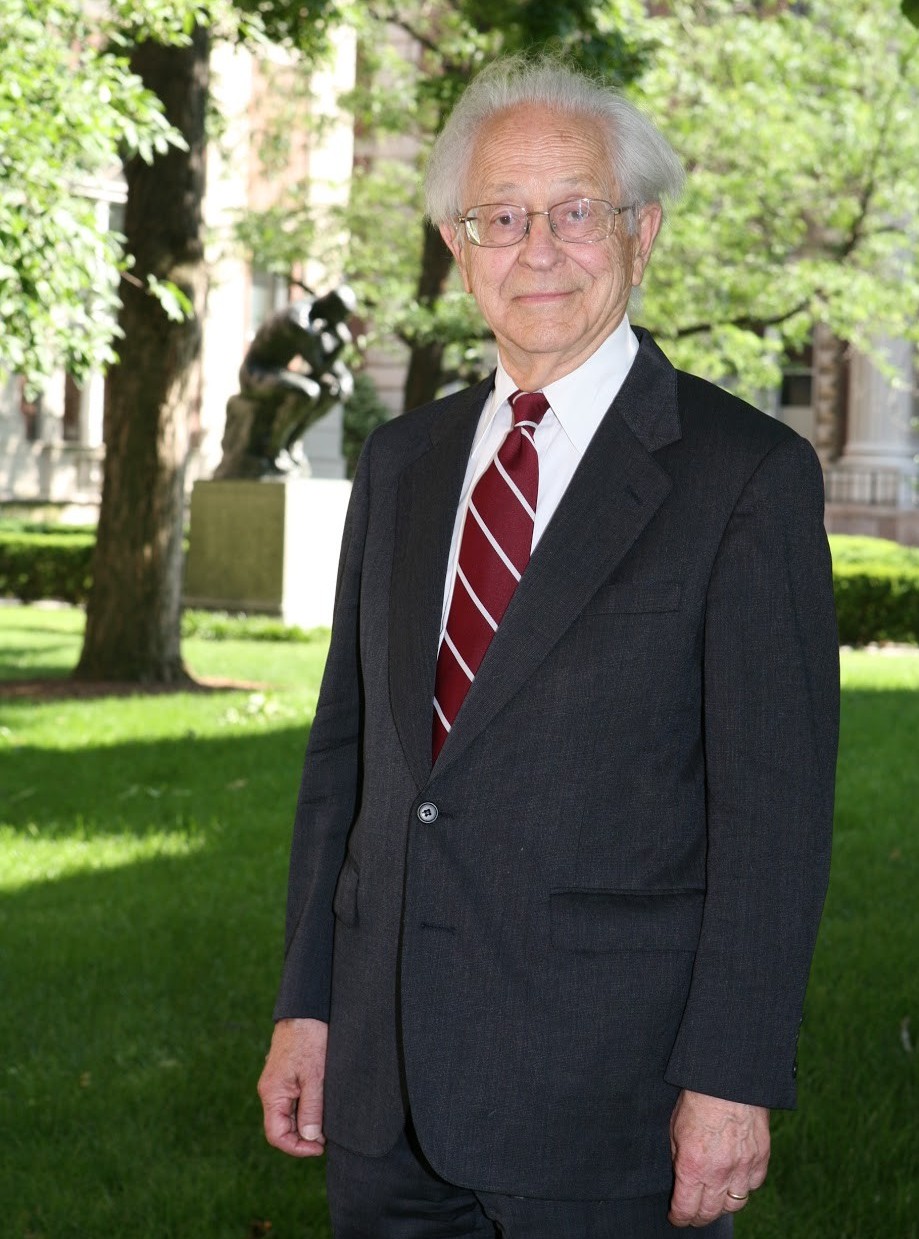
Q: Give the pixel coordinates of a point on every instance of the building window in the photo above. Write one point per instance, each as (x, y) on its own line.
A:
(798, 380)
(73, 403)
(31, 409)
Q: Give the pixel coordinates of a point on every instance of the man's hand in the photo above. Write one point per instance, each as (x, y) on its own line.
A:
(291, 1087)
(720, 1154)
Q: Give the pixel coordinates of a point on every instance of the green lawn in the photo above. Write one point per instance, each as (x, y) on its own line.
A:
(143, 850)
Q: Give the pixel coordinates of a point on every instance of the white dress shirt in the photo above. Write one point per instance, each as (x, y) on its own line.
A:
(577, 403)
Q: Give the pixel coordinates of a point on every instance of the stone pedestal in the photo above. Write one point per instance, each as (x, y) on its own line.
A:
(268, 547)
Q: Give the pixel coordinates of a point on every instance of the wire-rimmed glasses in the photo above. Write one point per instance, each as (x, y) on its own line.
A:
(576, 220)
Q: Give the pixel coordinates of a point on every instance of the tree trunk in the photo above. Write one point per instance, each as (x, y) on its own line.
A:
(829, 389)
(425, 367)
(134, 611)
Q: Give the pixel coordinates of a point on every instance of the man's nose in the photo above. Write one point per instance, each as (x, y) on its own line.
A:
(540, 247)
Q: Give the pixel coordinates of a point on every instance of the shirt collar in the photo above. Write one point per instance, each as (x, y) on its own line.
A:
(581, 398)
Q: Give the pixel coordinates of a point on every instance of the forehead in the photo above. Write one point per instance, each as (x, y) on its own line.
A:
(532, 151)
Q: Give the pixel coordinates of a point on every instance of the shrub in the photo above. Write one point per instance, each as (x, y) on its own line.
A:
(876, 602)
(46, 565)
(849, 550)
(221, 626)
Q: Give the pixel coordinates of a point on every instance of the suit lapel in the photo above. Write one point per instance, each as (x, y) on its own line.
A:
(615, 492)
(428, 496)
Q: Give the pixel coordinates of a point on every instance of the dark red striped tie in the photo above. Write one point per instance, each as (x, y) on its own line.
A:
(494, 550)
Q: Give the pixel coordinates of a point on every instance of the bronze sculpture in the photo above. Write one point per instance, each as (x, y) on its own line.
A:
(291, 375)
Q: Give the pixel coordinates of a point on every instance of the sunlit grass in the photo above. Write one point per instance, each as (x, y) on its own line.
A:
(29, 858)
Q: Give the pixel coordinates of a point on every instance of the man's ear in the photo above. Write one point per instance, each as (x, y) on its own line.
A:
(451, 234)
(650, 218)
(453, 239)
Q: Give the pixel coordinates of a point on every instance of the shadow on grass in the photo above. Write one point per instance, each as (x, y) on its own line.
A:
(136, 1011)
(137, 998)
(11, 673)
(240, 782)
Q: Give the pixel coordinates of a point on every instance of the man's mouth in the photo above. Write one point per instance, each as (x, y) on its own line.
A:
(546, 296)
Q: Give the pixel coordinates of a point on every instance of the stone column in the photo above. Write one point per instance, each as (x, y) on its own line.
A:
(881, 433)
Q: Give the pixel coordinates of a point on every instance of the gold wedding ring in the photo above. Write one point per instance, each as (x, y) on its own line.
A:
(734, 1196)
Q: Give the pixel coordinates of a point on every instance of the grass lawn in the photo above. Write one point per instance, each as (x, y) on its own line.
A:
(143, 853)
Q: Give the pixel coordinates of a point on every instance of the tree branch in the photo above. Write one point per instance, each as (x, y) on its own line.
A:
(429, 43)
(746, 322)
(870, 186)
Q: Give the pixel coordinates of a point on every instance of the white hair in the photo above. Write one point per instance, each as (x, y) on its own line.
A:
(642, 162)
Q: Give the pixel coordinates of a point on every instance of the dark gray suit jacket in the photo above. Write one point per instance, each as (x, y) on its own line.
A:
(619, 893)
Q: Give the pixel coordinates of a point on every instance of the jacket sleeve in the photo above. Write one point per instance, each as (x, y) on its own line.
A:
(770, 728)
(329, 785)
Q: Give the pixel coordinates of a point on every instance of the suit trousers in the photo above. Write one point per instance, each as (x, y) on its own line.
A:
(399, 1196)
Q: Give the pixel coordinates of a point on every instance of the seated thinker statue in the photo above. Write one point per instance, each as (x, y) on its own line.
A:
(292, 374)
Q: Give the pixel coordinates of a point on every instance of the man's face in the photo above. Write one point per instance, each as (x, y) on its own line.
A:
(550, 303)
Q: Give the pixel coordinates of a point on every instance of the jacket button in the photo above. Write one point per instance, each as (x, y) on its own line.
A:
(428, 813)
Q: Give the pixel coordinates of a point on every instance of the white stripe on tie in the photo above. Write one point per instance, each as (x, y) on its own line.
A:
(476, 599)
(515, 489)
(498, 549)
(459, 658)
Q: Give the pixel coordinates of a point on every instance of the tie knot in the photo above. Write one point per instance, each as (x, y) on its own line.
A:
(528, 407)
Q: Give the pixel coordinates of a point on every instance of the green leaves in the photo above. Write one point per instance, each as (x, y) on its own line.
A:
(911, 11)
(176, 305)
(69, 108)
(803, 194)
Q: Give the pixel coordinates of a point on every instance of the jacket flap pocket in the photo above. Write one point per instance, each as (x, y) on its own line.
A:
(627, 920)
(344, 905)
(639, 597)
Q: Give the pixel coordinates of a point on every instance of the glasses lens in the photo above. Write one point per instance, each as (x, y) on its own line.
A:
(582, 219)
(496, 224)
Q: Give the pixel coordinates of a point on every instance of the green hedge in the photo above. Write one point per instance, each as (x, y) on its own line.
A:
(222, 626)
(876, 584)
(45, 565)
(875, 602)
(850, 550)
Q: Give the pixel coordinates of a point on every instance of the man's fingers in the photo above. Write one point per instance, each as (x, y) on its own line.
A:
(696, 1204)
(736, 1197)
(309, 1111)
(281, 1130)
(685, 1202)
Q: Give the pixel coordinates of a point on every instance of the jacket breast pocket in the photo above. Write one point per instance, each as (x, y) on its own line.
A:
(626, 920)
(344, 904)
(635, 598)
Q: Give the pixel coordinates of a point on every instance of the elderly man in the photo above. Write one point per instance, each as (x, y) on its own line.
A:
(563, 831)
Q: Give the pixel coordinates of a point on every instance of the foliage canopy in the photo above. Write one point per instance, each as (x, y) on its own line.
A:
(71, 110)
(802, 203)
(68, 105)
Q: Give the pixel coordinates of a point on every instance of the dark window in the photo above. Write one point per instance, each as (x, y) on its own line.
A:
(798, 380)
(73, 399)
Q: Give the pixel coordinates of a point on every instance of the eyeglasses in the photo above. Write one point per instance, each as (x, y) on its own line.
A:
(579, 221)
